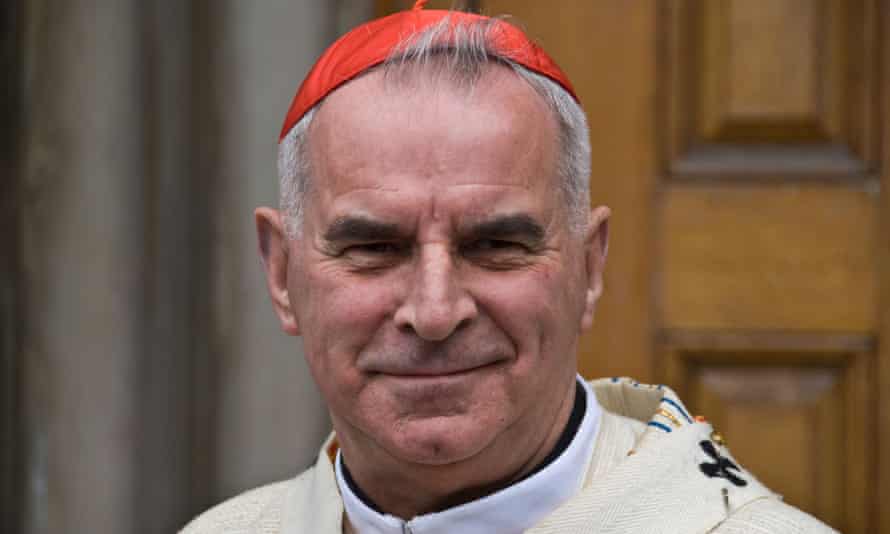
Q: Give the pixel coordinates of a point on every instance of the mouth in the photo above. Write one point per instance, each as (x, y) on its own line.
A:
(427, 373)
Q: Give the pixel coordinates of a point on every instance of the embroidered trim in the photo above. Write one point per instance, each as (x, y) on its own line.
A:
(679, 408)
(669, 416)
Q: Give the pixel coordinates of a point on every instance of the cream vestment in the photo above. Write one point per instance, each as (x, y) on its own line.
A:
(654, 470)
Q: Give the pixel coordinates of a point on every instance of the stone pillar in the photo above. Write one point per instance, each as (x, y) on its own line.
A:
(83, 227)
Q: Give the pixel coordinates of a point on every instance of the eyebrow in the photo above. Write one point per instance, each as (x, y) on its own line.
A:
(519, 225)
(359, 228)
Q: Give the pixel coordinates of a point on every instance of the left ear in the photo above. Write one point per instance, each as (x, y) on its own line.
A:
(596, 245)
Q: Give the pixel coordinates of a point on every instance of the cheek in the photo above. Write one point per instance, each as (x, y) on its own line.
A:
(535, 308)
(339, 314)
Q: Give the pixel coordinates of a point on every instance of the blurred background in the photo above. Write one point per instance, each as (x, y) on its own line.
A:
(742, 145)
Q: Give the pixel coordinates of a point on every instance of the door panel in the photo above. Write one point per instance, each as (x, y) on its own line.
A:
(768, 257)
(768, 75)
(794, 407)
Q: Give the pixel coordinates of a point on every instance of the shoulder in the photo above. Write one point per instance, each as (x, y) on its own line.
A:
(654, 423)
(771, 516)
(255, 511)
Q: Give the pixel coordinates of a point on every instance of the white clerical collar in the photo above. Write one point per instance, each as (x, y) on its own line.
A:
(511, 510)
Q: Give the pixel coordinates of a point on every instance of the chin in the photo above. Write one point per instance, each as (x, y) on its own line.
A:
(441, 440)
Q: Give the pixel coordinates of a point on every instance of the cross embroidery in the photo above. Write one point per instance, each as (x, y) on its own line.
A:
(721, 466)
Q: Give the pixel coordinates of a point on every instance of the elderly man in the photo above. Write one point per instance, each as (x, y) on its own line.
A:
(437, 253)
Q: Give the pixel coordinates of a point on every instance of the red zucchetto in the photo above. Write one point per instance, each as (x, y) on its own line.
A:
(372, 43)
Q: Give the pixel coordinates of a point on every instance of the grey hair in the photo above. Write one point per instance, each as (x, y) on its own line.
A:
(459, 53)
(293, 173)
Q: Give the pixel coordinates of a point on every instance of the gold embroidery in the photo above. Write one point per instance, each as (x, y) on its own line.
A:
(668, 415)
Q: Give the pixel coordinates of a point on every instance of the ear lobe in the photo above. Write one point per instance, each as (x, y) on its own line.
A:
(597, 248)
(272, 243)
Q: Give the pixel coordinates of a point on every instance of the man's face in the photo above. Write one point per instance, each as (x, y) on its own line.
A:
(436, 283)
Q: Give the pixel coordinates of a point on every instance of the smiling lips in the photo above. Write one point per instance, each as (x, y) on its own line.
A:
(433, 373)
(433, 369)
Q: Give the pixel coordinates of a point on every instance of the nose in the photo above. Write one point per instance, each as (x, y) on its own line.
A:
(436, 304)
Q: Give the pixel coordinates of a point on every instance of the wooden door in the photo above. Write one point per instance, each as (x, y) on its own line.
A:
(742, 147)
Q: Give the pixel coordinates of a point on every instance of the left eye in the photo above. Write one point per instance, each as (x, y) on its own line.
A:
(493, 245)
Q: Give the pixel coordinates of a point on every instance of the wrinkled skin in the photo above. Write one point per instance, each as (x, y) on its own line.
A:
(437, 285)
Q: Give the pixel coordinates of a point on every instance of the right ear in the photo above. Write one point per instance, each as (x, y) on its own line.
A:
(273, 250)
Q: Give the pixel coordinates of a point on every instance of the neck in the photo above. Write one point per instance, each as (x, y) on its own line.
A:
(406, 489)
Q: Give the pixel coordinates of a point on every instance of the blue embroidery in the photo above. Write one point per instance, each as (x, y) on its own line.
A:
(659, 425)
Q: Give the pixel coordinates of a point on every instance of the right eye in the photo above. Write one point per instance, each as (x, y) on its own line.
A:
(381, 248)
(374, 255)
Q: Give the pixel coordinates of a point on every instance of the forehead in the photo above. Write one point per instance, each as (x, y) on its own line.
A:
(381, 132)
